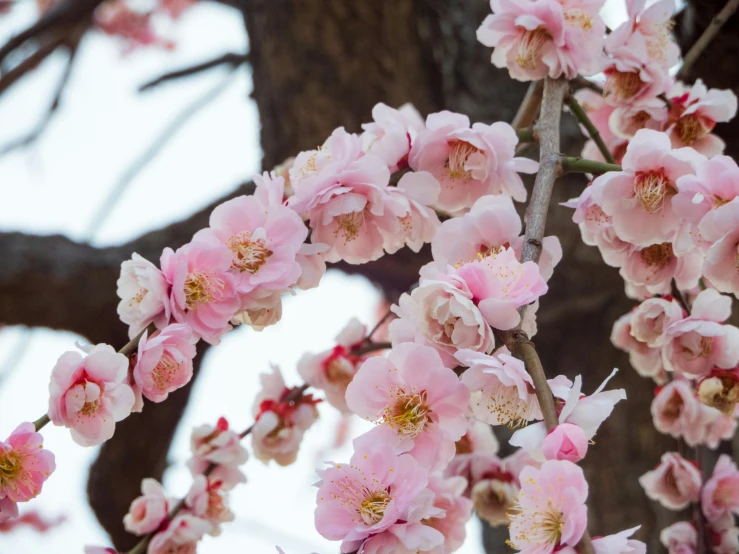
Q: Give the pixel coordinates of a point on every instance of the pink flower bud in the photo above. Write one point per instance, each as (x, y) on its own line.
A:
(566, 441)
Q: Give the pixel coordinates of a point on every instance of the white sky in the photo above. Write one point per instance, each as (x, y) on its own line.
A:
(56, 185)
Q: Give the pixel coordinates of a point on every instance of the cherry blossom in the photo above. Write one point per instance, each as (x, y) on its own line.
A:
(219, 446)
(409, 202)
(645, 360)
(674, 483)
(148, 511)
(420, 405)
(24, 466)
(545, 38)
(550, 512)
(89, 394)
(391, 134)
(144, 293)
(469, 161)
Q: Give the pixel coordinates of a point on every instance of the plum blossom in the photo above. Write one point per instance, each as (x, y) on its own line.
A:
(651, 319)
(259, 310)
(147, 512)
(677, 412)
(419, 404)
(144, 293)
(135, 27)
(680, 538)
(312, 265)
(587, 412)
(478, 442)
(720, 390)
(721, 265)
(502, 390)
(674, 483)
(379, 493)
(694, 113)
(699, 342)
(720, 494)
(203, 293)
(283, 415)
(550, 511)
(555, 38)
(343, 192)
(638, 198)
(164, 361)
(391, 134)
(645, 360)
(207, 499)
(457, 511)
(469, 162)
(24, 466)
(620, 543)
(652, 268)
(90, 394)
(409, 202)
(181, 535)
(441, 313)
(724, 541)
(333, 370)
(566, 441)
(220, 446)
(626, 120)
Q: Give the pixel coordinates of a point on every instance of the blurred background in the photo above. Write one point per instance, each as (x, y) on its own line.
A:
(115, 170)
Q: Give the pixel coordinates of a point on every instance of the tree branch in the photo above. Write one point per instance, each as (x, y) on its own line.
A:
(582, 116)
(230, 59)
(708, 35)
(529, 107)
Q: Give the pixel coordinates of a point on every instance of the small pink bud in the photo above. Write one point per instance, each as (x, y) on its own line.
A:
(566, 441)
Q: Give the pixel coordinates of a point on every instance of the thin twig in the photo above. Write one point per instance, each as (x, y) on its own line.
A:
(230, 59)
(580, 165)
(379, 324)
(371, 347)
(151, 152)
(28, 64)
(708, 35)
(582, 116)
(529, 107)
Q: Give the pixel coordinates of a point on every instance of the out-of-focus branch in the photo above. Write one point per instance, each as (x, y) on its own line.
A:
(708, 35)
(28, 64)
(582, 117)
(529, 107)
(230, 59)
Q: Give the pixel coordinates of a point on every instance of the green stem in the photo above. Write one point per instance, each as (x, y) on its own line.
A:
(579, 165)
(41, 422)
(526, 134)
(580, 114)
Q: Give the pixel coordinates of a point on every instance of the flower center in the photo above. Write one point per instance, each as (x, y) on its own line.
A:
(248, 255)
(650, 190)
(456, 163)
(373, 507)
(10, 467)
(90, 408)
(507, 406)
(349, 225)
(164, 371)
(201, 288)
(408, 415)
(690, 128)
(673, 407)
(542, 526)
(657, 255)
(622, 84)
(694, 351)
(579, 18)
(340, 371)
(529, 48)
(138, 297)
(720, 392)
(216, 505)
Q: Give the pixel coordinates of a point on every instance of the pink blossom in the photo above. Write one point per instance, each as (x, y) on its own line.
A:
(25, 466)
(207, 499)
(144, 293)
(343, 192)
(652, 268)
(175, 8)
(695, 112)
(147, 512)
(457, 511)
(281, 422)
(620, 543)
(89, 394)
(469, 162)
(312, 265)
(221, 446)
(391, 133)
(550, 511)
(441, 314)
(409, 202)
(118, 19)
(99, 550)
(680, 538)
(720, 494)
(502, 390)
(645, 360)
(420, 404)
(259, 310)
(674, 483)
(677, 412)
(181, 535)
(627, 120)
(377, 491)
(587, 412)
(725, 540)
(638, 197)
(566, 441)
(652, 317)
(333, 370)
(164, 361)
(478, 442)
(699, 343)
(203, 291)
(555, 38)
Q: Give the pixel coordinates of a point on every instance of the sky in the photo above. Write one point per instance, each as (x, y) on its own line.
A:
(58, 184)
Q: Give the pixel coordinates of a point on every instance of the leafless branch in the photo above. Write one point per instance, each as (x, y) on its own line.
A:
(529, 107)
(28, 64)
(708, 35)
(231, 59)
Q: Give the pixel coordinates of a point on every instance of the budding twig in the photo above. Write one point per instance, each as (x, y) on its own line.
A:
(580, 165)
(582, 116)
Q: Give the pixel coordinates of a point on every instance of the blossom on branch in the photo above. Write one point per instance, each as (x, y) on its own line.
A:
(144, 293)
(674, 483)
(221, 447)
(24, 466)
(148, 511)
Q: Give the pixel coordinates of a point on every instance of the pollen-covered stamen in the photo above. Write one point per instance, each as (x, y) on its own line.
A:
(658, 255)
(622, 84)
(580, 19)
(217, 506)
(10, 466)
(248, 255)
(408, 414)
(658, 40)
(690, 128)
(542, 527)
(506, 404)
(528, 54)
(456, 164)
(164, 372)
(365, 498)
(349, 225)
(372, 509)
(696, 346)
(673, 407)
(201, 288)
(138, 297)
(651, 189)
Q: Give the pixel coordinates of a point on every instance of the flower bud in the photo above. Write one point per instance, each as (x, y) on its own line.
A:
(566, 441)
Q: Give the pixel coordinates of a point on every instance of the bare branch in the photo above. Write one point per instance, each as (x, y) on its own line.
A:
(581, 115)
(708, 35)
(231, 59)
(28, 64)
(529, 107)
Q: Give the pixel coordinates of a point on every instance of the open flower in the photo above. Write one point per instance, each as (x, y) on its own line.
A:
(457, 511)
(144, 292)
(721, 266)
(419, 404)
(89, 394)
(469, 162)
(652, 268)
(550, 511)
(24, 466)
(720, 494)
(674, 483)
(651, 319)
(207, 499)
(410, 202)
(148, 511)
(391, 134)
(620, 543)
(181, 535)
(677, 412)
(645, 360)
(220, 446)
